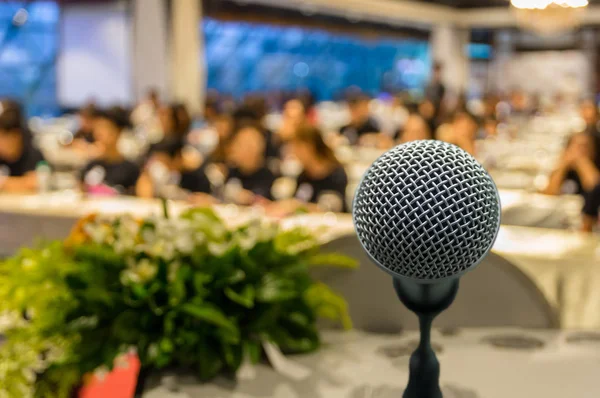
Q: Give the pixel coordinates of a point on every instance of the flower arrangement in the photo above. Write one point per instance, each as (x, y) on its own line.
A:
(185, 292)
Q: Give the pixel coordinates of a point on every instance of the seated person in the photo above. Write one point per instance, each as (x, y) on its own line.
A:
(248, 177)
(361, 124)
(415, 128)
(224, 126)
(110, 169)
(578, 170)
(591, 209)
(167, 168)
(461, 131)
(292, 117)
(323, 181)
(18, 157)
(85, 133)
(429, 112)
(255, 108)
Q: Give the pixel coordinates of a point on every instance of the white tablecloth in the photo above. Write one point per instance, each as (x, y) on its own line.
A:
(565, 265)
(525, 364)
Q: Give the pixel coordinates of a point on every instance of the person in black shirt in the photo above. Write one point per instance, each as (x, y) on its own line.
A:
(591, 209)
(167, 167)
(323, 181)
(248, 177)
(436, 90)
(578, 170)
(18, 157)
(86, 116)
(254, 111)
(110, 169)
(361, 123)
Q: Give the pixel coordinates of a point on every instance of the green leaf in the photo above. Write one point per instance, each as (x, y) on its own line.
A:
(295, 241)
(274, 288)
(75, 282)
(205, 212)
(299, 319)
(245, 298)
(200, 282)
(237, 276)
(328, 304)
(233, 355)
(169, 322)
(166, 345)
(212, 315)
(253, 349)
(209, 361)
(139, 291)
(332, 260)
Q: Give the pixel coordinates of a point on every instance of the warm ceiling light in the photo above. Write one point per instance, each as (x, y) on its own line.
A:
(542, 4)
(549, 17)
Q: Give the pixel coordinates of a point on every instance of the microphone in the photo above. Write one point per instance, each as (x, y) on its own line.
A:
(426, 212)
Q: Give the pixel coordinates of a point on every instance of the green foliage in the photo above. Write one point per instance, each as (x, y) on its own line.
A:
(183, 292)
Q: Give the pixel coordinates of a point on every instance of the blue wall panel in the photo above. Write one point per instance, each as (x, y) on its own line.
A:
(246, 57)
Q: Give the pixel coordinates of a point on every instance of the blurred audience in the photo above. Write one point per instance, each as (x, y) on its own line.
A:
(167, 169)
(110, 173)
(460, 131)
(85, 117)
(416, 128)
(591, 210)
(18, 157)
(436, 90)
(361, 123)
(323, 181)
(174, 128)
(145, 112)
(578, 170)
(428, 112)
(224, 125)
(293, 116)
(249, 179)
(254, 108)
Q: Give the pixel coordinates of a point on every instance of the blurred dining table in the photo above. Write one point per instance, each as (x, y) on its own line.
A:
(564, 264)
(475, 363)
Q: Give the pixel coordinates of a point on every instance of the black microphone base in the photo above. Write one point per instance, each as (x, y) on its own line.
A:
(426, 301)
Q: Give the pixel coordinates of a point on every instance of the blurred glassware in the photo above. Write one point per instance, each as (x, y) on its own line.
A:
(44, 177)
(331, 201)
(291, 167)
(284, 188)
(232, 190)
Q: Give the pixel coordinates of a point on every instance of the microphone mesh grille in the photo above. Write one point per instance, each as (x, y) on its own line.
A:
(426, 210)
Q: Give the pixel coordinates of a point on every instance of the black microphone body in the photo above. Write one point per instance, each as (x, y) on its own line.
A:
(426, 213)
(426, 301)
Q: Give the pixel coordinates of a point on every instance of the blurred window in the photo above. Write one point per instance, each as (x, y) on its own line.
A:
(247, 57)
(28, 49)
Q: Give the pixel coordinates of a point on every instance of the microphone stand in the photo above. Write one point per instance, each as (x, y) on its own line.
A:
(426, 301)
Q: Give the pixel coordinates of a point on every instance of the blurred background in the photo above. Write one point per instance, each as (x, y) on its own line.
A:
(275, 109)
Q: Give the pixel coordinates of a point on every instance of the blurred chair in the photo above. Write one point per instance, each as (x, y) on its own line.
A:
(495, 294)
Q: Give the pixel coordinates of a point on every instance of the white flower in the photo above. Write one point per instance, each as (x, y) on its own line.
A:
(153, 351)
(140, 272)
(173, 268)
(218, 249)
(184, 243)
(99, 233)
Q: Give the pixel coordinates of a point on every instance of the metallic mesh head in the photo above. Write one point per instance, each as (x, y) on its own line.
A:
(426, 210)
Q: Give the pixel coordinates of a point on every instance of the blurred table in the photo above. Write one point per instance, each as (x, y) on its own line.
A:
(522, 208)
(485, 363)
(565, 265)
